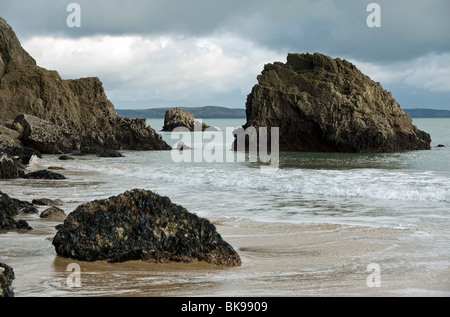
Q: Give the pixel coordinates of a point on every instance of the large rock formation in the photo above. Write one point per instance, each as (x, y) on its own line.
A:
(177, 118)
(140, 225)
(6, 278)
(328, 105)
(79, 108)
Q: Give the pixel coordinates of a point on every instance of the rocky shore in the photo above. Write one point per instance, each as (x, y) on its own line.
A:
(39, 109)
(322, 104)
(40, 113)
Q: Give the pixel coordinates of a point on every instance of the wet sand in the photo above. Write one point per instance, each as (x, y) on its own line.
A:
(278, 259)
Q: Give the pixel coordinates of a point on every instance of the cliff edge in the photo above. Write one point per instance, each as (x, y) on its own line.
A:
(79, 107)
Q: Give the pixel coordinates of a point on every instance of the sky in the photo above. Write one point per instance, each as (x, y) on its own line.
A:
(167, 53)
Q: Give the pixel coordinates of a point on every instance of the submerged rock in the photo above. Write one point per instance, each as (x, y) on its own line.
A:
(47, 202)
(182, 147)
(327, 105)
(44, 174)
(8, 209)
(6, 278)
(7, 205)
(177, 118)
(141, 225)
(53, 214)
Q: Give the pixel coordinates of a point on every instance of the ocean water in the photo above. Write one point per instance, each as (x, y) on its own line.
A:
(408, 193)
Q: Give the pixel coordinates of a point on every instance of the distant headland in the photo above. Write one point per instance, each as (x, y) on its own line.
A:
(427, 113)
(206, 112)
(216, 112)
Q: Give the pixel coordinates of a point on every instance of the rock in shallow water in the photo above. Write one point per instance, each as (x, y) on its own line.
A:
(141, 225)
(44, 174)
(322, 104)
(9, 168)
(9, 209)
(6, 279)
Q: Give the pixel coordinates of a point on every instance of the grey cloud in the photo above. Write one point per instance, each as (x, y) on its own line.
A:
(338, 28)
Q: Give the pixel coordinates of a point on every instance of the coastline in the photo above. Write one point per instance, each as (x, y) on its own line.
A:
(278, 260)
(294, 256)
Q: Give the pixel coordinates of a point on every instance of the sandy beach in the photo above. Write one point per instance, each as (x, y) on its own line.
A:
(278, 259)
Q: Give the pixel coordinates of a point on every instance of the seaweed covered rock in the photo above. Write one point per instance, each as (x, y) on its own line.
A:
(322, 104)
(141, 225)
(44, 174)
(6, 278)
(44, 136)
(9, 168)
(9, 209)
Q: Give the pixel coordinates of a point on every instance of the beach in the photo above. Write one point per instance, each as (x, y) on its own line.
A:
(322, 225)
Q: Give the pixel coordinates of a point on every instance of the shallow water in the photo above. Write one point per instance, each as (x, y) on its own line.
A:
(309, 228)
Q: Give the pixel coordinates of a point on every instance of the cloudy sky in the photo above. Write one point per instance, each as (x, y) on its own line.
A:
(164, 53)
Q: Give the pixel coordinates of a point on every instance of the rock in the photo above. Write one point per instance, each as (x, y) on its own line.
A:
(8, 210)
(65, 158)
(44, 174)
(9, 138)
(79, 107)
(177, 118)
(140, 225)
(109, 153)
(8, 205)
(21, 204)
(79, 154)
(100, 152)
(44, 136)
(23, 155)
(182, 147)
(9, 168)
(29, 210)
(53, 214)
(6, 279)
(20, 152)
(56, 168)
(47, 202)
(327, 105)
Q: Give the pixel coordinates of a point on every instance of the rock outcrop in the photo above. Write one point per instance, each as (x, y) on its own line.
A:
(9, 209)
(177, 118)
(9, 168)
(53, 214)
(44, 174)
(141, 225)
(74, 114)
(327, 105)
(6, 278)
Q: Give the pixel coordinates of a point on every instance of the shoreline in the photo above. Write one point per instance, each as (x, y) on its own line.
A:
(279, 259)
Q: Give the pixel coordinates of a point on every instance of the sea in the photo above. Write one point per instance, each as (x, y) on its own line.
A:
(312, 225)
